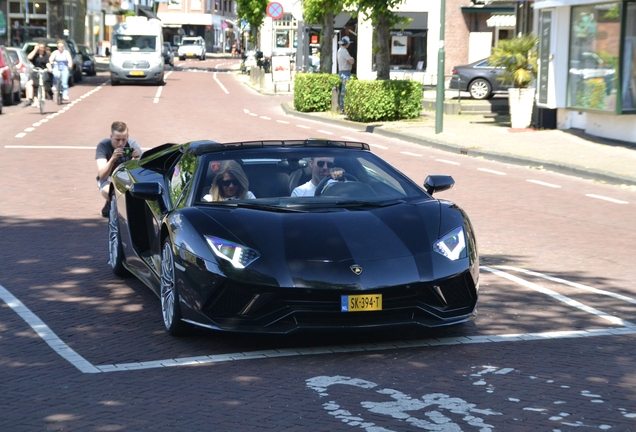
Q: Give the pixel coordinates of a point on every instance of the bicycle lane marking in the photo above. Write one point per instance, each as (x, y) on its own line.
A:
(85, 366)
(63, 110)
(47, 335)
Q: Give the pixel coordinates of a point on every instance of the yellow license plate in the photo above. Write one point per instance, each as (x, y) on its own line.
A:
(190, 54)
(137, 73)
(361, 303)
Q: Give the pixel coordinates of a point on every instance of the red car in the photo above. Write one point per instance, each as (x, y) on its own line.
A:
(10, 87)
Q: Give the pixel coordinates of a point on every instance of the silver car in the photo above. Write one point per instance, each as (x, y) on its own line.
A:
(25, 67)
(480, 79)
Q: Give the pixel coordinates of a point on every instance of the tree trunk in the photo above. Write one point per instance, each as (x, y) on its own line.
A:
(326, 47)
(383, 58)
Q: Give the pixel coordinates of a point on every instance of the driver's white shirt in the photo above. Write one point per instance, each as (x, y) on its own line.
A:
(308, 189)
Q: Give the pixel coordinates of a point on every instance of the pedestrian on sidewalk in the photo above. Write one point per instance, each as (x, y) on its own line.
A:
(112, 152)
(345, 64)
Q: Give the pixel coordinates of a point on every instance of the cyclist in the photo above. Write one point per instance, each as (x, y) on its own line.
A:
(62, 63)
(40, 59)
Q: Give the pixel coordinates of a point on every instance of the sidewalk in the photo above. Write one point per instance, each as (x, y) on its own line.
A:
(570, 152)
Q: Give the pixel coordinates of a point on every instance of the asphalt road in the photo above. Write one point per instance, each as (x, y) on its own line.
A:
(552, 348)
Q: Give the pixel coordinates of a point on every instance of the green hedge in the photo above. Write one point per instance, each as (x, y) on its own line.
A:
(312, 92)
(368, 101)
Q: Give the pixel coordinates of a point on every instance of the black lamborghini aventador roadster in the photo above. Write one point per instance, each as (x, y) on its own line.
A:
(278, 236)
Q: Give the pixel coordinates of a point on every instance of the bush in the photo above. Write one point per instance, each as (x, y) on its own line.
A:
(367, 101)
(312, 92)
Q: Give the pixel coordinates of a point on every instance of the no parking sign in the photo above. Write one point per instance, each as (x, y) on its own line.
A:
(275, 10)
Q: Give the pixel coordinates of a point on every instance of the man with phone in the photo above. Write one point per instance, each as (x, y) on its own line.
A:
(112, 152)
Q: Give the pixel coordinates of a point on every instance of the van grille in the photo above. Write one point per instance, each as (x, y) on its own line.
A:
(136, 65)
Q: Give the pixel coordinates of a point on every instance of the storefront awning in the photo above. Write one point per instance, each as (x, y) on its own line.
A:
(502, 21)
(419, 20)
(145, 11)
(488, 9)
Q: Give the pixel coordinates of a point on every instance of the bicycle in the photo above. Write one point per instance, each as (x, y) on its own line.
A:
(41, 88)
(58, 87)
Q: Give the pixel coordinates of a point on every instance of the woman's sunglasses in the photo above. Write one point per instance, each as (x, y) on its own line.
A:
(228, 183)
(322, 164)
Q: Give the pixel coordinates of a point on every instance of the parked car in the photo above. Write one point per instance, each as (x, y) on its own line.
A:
(368, 249)
(88, 60)
(168, 54)
(1, 85)
(25, 67)
(479, 79)
(70, 46)
(192, 47)
(11, 92)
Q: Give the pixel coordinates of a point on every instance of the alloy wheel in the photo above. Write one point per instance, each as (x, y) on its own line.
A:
(167, 286)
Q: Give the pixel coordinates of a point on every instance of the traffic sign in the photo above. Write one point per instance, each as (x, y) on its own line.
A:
(224, 24)
(275, 10)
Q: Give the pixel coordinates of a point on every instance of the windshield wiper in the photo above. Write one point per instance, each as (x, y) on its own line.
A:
(257, 206)
(358, 203)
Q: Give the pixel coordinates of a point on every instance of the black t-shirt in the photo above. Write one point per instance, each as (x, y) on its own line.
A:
(40, 61)
(105, 150)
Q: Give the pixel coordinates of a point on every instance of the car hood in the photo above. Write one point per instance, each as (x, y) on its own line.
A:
(314, 248)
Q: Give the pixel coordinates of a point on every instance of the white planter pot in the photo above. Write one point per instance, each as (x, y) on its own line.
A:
(521, 102)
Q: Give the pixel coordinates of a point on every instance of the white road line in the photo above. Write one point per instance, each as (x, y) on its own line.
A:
(543, 183)
(253, 114)
(411, 154)
(29, 129)
(601, 197)
(46, 334)
(378, 146)
(448, 162)
(48, 147)
(303, 126)
(572, 284)
(20, 135)
(325, 132)
(221, 85)
(246, 111)
(462, 340)
(282, 121)
(491, 171)
(157, 95)
(612, 319)
(266, 118)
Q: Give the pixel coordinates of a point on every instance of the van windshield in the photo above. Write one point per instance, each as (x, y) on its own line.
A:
(136, 43)
(190, 42)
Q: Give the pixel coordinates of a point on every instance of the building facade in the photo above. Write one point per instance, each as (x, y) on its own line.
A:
(587, 65)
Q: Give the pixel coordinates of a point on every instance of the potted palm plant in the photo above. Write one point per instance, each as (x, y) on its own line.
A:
(518, 57)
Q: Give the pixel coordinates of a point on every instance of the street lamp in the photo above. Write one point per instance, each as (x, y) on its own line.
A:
(439, 97)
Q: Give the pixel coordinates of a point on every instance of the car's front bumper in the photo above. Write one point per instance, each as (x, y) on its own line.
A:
(148, 74)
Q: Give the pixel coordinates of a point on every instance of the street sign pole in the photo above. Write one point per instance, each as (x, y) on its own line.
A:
(439, 97)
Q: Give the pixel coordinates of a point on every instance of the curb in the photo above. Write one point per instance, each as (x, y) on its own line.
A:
(570, 170)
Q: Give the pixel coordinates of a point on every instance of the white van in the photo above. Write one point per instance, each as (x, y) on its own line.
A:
(136, 53)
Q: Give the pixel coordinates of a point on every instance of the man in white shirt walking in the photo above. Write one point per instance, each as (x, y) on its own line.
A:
(345, 63)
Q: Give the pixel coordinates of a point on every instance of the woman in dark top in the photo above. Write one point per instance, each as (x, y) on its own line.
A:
(40, 59)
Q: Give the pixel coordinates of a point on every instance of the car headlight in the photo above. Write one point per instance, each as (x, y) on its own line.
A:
(451, 245)
(238, 255)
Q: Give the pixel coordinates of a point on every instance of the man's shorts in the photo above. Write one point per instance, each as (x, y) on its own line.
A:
(104, 187)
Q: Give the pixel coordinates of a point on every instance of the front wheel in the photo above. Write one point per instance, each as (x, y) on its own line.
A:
(115, 249)
(480, 89)
(170, 309)
(41, 98)
(59, 91)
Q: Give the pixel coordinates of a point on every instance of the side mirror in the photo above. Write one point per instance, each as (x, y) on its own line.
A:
(438, 183)
(149, 191)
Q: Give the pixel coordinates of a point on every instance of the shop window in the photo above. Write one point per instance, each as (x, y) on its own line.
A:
(408, 52)
(594, 48)
(629, 60)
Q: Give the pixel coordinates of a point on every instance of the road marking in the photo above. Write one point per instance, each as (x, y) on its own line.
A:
(221, 85)
(253, 114)
(303, 126)
(325, 132)
(246, 111)
(601, 197)
(84, 366)
(20, 135)
(543, 183)
(491, 171)
(157, 95)
(282, 121)
(411, 154)
(46, 334)
(570, 302)
(375, 145)
(448, 162)
(265, 118)
(572, 284)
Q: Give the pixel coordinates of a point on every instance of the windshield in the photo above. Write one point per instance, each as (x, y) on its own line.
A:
(134, 43)
(293, 179)
(190, 42)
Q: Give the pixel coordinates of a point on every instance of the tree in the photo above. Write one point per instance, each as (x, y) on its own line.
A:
(252, 11)
(323, 12)
(383, 20)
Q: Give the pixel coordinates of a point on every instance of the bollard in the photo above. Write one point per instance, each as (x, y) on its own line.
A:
(335, 96)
